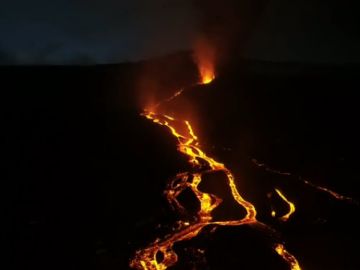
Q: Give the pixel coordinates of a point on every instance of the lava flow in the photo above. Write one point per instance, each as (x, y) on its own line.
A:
(332, 193)
(188, 144)
(280, 249)
(290, 204)
(160, 254)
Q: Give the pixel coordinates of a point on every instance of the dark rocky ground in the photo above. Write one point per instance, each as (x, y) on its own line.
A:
(84, 173)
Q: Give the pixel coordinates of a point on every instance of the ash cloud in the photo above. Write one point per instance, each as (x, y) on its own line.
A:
(307, 31)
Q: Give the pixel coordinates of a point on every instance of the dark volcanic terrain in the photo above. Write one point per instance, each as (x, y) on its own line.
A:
(84, 172)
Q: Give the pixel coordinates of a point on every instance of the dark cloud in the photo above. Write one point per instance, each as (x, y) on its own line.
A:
(92, 31)
(228, 24)
(307, 30)
(59, 31)
(282, 30)
(6, 58)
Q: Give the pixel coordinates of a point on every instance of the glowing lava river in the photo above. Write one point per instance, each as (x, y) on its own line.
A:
(189, 145)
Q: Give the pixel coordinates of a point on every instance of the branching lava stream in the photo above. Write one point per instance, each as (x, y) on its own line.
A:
(189, 145)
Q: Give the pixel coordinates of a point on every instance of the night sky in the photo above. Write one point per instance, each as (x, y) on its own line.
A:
(85, 172)
(110, 31)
